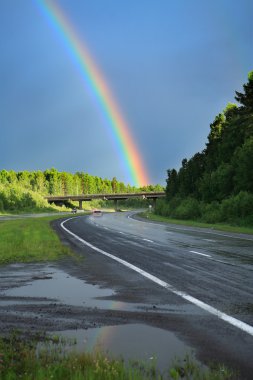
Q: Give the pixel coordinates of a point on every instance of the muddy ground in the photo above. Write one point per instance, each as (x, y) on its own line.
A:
(48, 313)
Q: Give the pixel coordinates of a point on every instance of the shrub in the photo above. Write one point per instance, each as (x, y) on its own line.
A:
(177, 207)
(15, 198)
(189, 208)
(237, 206)
(211, 212)
(163, 207)
(237, 209)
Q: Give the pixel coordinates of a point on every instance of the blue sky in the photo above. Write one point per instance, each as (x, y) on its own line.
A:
(171, 65)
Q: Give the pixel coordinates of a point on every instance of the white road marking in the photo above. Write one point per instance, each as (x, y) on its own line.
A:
(122, 233)
(210, 240)
(225, 317)
(199, 253)
(150, 241)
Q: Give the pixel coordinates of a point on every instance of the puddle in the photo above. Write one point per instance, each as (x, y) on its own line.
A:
(130, 342)
(53, 285)
(57, 286)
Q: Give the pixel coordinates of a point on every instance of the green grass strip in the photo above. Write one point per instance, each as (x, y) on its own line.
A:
(193, 223)
(21, 360)
(29, 240)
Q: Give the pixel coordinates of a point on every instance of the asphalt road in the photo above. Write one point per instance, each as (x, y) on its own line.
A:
(202, 278)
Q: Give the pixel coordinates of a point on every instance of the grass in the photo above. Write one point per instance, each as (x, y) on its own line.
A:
(29, 240)
(21, 359)
(36, 210)
(193, 223)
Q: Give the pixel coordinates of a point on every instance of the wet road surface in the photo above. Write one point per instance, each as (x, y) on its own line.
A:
(211, 267)
(92, 296)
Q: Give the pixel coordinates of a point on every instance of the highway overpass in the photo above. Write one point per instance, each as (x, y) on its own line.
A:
(60, 199)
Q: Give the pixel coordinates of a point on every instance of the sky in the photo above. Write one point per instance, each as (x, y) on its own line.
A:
(171, 65)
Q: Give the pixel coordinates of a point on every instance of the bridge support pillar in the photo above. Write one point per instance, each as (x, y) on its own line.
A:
(154, 203)
(116, 204)
(80, 205)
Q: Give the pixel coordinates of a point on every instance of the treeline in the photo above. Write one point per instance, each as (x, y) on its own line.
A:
(24, 189)
(53, 182)
(216, 185)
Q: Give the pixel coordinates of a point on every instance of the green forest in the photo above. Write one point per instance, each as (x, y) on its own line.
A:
(25, 190)
(216, 185)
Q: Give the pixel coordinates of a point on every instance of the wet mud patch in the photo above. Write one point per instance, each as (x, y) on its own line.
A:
(130, 342)
(39, 299)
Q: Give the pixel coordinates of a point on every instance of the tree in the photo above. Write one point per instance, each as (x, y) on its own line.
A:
(212, 159)
(51, 177)
(246, 99)
(24, 179)
(243, 162)
(172, 184)
(4, 177)
(38, 182)
(114, 185)
(230, 111)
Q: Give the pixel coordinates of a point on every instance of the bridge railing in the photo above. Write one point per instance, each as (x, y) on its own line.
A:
(86, 197)
(112, 196)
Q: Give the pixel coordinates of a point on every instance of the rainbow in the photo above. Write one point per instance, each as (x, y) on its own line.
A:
(96, 84)
(104, 335)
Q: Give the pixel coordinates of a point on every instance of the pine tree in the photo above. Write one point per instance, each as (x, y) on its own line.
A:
(246, 99)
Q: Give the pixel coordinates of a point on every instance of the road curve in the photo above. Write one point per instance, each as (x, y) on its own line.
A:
(204, 279)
